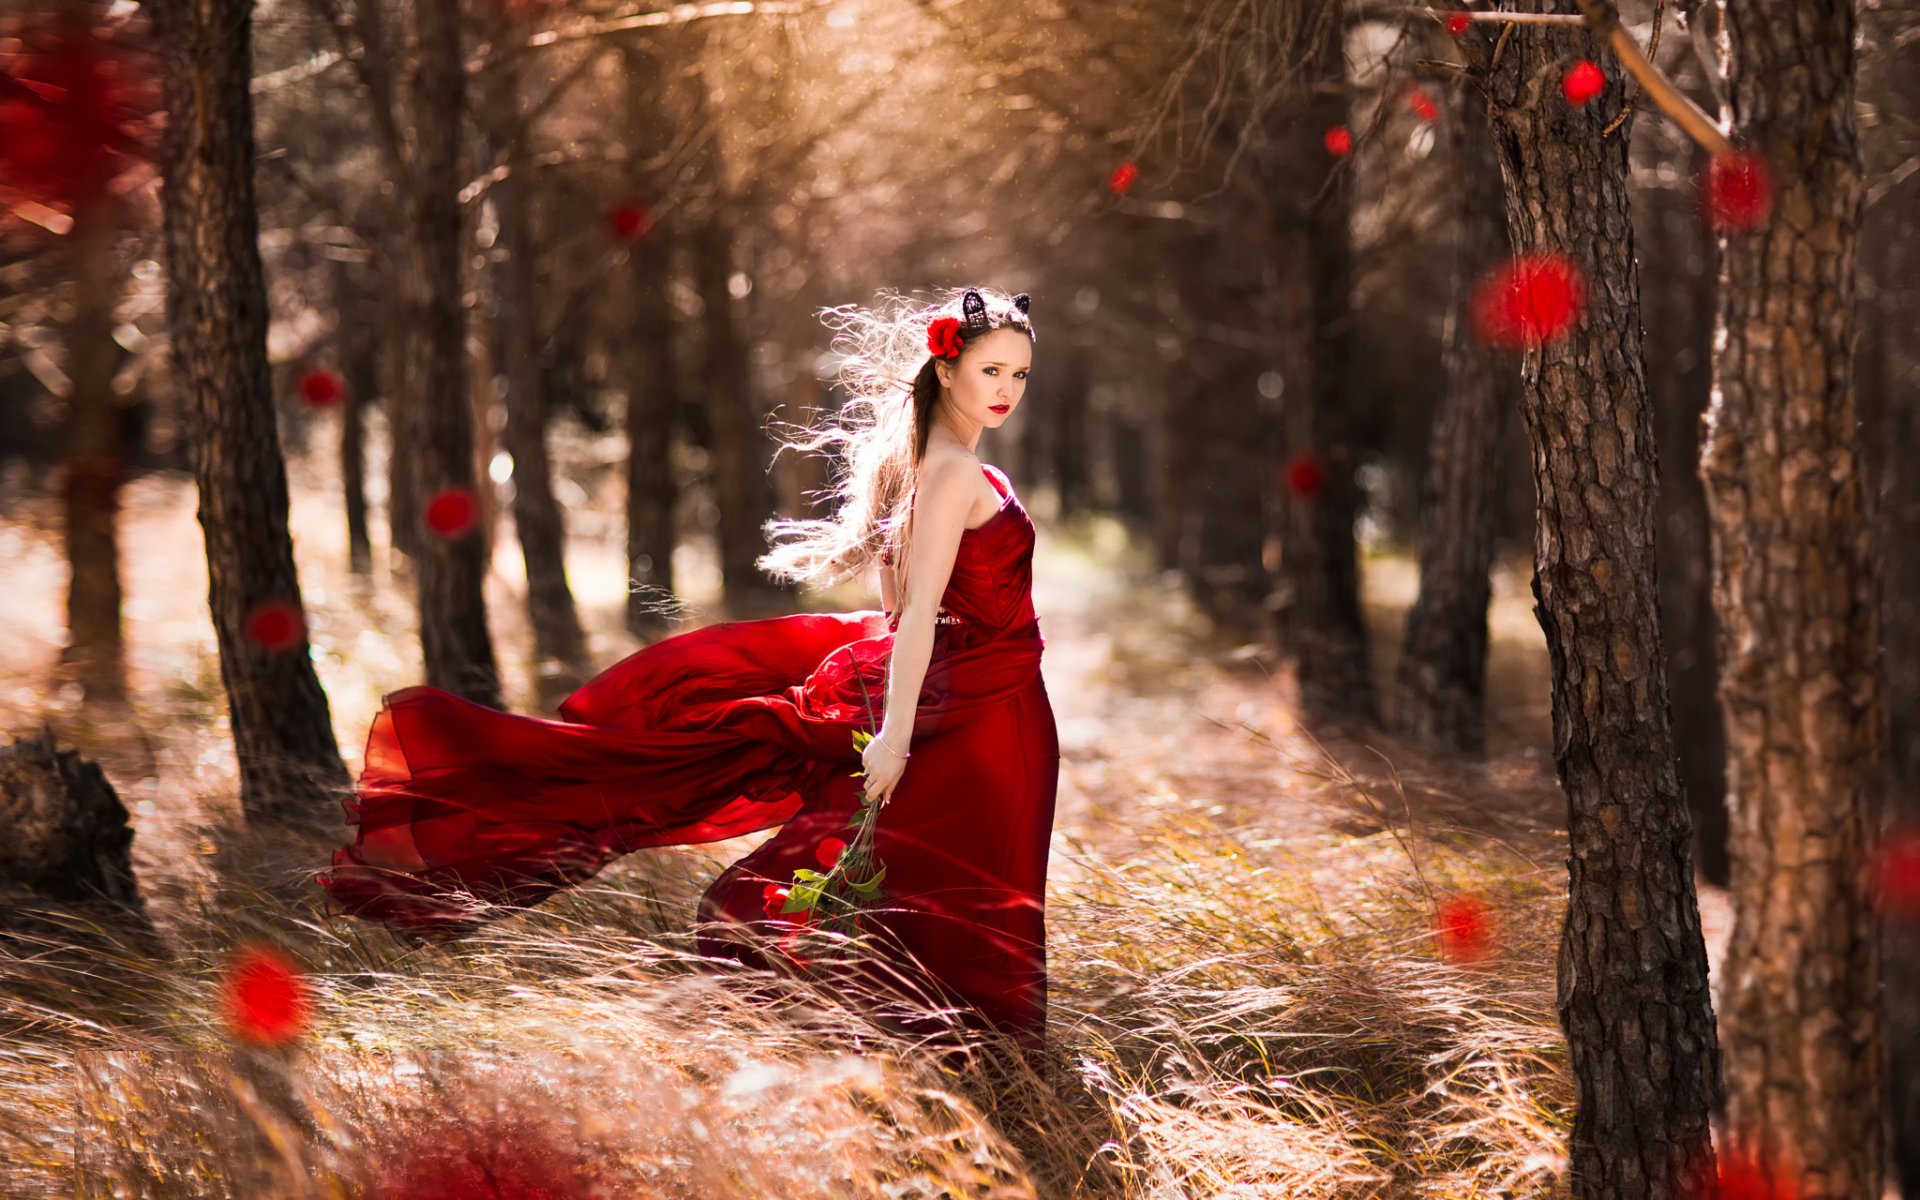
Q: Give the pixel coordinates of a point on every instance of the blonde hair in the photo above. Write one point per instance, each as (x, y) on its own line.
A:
(880, 434)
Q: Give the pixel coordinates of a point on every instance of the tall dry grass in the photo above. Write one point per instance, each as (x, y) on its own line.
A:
(1245, 994)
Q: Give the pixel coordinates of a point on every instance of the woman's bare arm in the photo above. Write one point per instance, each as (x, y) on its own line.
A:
(940, 511)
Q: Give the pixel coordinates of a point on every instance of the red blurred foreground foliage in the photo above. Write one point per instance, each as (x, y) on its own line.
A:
(505, 1158)
(77, 107)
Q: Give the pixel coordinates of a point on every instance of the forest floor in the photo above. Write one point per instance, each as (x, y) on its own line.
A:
(1248, 997)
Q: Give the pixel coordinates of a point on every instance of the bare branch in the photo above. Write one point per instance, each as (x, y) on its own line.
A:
(1605, 20)
(679, 14)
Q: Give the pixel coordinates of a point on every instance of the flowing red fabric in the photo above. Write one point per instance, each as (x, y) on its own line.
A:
(463, 811)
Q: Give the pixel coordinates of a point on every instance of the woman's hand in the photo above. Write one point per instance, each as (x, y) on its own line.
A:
(883, 765)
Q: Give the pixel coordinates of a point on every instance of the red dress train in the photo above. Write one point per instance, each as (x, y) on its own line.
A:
(734, 728)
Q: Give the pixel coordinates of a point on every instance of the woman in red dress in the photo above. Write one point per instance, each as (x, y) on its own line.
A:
(463, 811)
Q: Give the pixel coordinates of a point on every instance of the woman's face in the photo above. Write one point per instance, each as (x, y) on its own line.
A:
(986, 382)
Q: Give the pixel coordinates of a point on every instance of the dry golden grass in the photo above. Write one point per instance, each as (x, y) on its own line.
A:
(1246, 998)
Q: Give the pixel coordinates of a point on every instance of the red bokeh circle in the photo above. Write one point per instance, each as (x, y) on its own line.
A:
(1532, 298)
(452, 512)
(1739, 191)
(1583, 82)
(264, 998)
(276, 626)
(321, 387)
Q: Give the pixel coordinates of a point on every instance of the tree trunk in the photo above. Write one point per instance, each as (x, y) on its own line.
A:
(1678, 318)
(1228, 437)
(95, 653)
(360, 364)
(1795, 588)
(437, 410)
(654, 403)
(559, 647)
(1633, 992)
(1068, 402)
(217, 316)
(739, 487)
(66, 834)
(1324, 628)
(1888, 367)
(653, 408)
(1443, 666)
(405, 525)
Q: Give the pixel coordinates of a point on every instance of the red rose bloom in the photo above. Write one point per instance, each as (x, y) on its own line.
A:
(943, 338)
(828, 852)
(773, 898)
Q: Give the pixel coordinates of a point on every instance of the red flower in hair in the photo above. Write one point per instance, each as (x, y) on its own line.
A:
(943, 338)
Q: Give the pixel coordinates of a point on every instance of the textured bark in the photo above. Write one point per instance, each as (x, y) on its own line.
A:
(217, 316)
(1633, 993)
(95, 653)
(537, 519)
(1888, 387)
(437, 410)
(1794, 585)
(1443, 666)
(1323, 627)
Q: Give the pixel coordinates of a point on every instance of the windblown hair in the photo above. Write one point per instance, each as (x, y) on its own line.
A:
(880, 433)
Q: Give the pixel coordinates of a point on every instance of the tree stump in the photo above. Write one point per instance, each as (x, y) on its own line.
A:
(63, 831)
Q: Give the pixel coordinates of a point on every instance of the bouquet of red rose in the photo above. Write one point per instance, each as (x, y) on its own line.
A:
(831, 900)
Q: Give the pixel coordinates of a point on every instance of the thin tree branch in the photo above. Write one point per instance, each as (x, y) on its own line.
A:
(679, 14)
(1605, 21)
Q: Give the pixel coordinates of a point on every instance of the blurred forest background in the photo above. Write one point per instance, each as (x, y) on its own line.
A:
(346, 344)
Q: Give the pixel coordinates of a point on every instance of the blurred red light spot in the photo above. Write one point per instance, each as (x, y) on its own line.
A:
(1739, 191)
(1462, 929)
(1338, 141)
(1305, 476)
(264, 998)
(1532, 298)
(1895, 872)
(628, 221)
(1582, 82)
(1123, 177)
(451, 512)
(321, 387)
(276, 625)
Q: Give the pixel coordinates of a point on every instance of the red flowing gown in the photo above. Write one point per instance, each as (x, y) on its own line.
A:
(734, 728)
